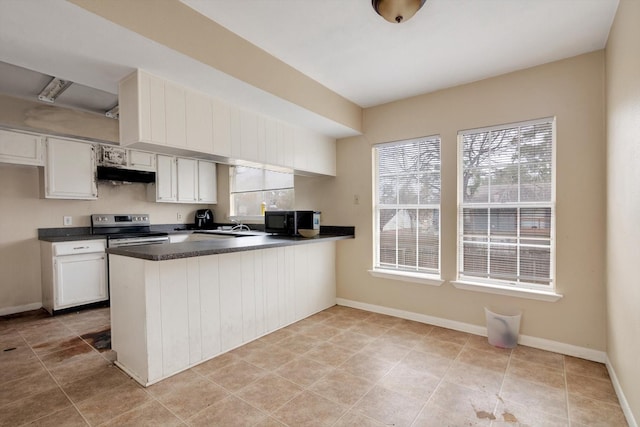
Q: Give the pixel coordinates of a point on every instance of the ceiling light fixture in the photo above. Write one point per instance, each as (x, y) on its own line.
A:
(397, 11)
(55, 87)
(113, 113)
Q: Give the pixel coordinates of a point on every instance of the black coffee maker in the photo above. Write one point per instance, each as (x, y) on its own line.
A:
(204, 219)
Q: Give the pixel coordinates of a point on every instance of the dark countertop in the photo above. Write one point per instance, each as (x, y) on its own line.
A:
(170, 251)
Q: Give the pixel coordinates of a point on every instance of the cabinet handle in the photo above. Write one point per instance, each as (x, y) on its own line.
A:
(81, 247)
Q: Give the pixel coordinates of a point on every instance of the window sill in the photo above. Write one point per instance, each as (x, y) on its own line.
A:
(504, 290)
(422, 278)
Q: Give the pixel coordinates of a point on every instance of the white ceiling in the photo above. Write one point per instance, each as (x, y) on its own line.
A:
(342, 44)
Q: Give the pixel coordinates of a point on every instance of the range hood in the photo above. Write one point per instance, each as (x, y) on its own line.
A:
(110, 173)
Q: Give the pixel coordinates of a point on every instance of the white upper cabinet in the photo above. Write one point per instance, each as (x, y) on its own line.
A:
(70, 170)
(141, 160)
(199, 125)
(166, 178)
(187, 180)
(21, 148)
(221, 128)
(207, 182)
(182, 180)
(175, 110)
(159, 115)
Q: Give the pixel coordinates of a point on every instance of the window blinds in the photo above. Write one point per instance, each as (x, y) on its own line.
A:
(408, 205)
(507, 204)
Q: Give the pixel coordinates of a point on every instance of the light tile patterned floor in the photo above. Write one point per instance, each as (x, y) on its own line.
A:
(340, 367)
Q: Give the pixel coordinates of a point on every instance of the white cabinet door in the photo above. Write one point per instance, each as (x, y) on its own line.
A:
(175, 110)
(199, 122)
(21, 148)
(141, 160)
(187, 180)
(221, 129)
(70, 170)
(249, 136)
(166, 179)
(154, 103)
(80, 279)
(207, 182)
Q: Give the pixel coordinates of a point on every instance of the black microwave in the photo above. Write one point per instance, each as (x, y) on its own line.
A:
(289, 222)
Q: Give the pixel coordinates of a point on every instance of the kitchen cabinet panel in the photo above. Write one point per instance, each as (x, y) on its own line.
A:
(261, 317)
(166, 177)
(207, 182)
(231, 326)
(21, 148)
(199, 122)
(289, 287)
(271, 141)
(249, 136)
(175, 109)
(194, 300)
(247, 270)
(271, 288)
(70, 170)
(210, 306)
(221, 128)
(140, 160)
(153, 105)
(174, 293)
(235, 125)
(187, 180)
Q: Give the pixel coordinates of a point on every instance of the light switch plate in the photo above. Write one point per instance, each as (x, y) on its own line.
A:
(67, 220)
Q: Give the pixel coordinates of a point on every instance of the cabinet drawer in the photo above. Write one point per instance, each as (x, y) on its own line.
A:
(79, 247)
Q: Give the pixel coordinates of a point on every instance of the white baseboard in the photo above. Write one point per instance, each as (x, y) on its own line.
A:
(20, 308)
(624, 404)
(541, 343)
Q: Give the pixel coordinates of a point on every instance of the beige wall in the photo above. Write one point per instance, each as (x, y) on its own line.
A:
(22, 212)
(623, 201)
(571, 90)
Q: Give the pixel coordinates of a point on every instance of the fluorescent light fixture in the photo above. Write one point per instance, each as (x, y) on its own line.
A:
(113, 113)
(55, 87)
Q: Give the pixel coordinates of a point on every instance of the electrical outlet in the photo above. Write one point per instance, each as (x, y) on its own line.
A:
(356, 199)
(179, 216)
(67, 220)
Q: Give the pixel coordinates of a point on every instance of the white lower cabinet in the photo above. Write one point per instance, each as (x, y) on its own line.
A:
(73, 273)
(170, 315)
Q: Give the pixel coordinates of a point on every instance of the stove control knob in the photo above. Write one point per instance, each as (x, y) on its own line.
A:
(145, 218)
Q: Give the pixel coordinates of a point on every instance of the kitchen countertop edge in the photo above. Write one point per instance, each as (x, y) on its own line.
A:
(216, 247)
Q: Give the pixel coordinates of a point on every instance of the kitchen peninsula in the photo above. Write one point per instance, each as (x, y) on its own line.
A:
(176, 305)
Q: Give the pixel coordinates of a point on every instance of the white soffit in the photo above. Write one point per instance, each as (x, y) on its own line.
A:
(347, 47)
(57, 38)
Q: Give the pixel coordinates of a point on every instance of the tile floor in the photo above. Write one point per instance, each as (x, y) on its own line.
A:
(340, 367)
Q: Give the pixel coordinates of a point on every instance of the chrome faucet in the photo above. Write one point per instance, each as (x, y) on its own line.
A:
(239, 226)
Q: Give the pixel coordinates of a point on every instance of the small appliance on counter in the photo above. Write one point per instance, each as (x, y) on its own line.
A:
(204, 219)
(289, 222)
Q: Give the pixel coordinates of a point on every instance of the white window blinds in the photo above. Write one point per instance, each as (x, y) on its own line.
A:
(506, 204)
(407, 205)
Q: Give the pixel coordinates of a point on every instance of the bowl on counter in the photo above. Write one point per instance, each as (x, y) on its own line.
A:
(308, 233)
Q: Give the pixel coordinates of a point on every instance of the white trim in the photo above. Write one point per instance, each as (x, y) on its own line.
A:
(407, 276)
(505, 290)
(20, 308)
(624, 403)
(541, 343)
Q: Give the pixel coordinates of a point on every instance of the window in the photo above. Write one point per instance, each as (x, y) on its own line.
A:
(407, 208)
(506, 205)
(250, 187)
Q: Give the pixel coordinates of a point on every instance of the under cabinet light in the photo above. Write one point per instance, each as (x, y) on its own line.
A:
(113, 113)
(55, 87)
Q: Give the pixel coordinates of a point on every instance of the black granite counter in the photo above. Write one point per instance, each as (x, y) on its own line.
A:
(170, 251)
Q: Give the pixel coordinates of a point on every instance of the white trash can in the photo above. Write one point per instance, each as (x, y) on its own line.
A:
(503, 329)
